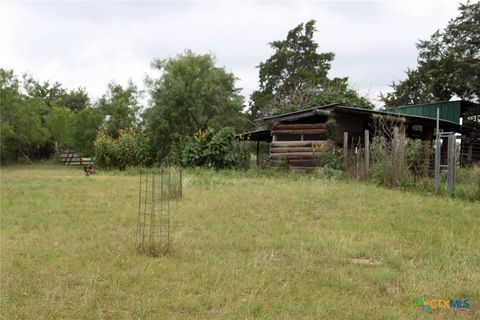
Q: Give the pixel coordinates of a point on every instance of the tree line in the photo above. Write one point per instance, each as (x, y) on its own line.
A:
(194, 95)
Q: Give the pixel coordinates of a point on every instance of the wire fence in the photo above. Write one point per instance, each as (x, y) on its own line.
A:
(157, 189)
(397, 161)
(469, 151)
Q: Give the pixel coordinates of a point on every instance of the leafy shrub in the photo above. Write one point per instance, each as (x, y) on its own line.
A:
(174, 156)
(334, 159)
(132, 148)
(331, 129)
(330, 173)
(215, 149)
(283, 164)
(418, 156)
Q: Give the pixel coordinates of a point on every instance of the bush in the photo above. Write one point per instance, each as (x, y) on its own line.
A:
(132, 148)
(334, 159)
(331, 129)
(418, 156)
(215, 149)
(331, 173)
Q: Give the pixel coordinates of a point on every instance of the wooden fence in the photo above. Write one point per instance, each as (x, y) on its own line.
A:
(67, 156)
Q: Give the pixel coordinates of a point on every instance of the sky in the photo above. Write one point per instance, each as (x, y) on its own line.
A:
(89, 44)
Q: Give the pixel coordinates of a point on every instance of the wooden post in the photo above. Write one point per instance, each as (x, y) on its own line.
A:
(470, 153)
(395, 144)
(438, 150)
(345, 150)
(258, 152)
(367, 152)
(56, 152)
(451, 164)
(25, 156)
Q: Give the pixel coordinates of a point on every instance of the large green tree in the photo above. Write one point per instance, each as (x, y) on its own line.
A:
(296, 77)
(86, 124)
(191, 94)
(119, 107)
(22, 129)
(60, 122)
(55, 95)
(34, 115)
(448, 64)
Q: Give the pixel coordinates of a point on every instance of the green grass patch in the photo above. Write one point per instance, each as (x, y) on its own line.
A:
(247, 245)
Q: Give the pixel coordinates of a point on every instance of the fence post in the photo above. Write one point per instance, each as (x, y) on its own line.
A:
(367, 152)
(437, 152)
(451, 164)
(470, 153)
(395, 146)
(345, 150)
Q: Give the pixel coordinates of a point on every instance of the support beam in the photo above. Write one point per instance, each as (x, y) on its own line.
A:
(299, 126)
(258, 153)
(298, 131)
(367, 152)
(345, 150)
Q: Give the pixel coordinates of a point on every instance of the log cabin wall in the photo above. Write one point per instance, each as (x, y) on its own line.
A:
(298, 144)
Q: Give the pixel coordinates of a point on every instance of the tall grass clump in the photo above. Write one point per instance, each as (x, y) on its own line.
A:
(468, 183)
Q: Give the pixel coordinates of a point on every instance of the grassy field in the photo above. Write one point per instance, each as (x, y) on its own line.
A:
(247, 246)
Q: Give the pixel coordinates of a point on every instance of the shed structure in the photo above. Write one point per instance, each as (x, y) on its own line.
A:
(299, 137)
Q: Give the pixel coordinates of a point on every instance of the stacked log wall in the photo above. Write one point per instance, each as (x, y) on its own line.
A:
(299, 155)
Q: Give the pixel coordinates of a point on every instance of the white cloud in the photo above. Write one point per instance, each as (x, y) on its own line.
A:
(91, 43)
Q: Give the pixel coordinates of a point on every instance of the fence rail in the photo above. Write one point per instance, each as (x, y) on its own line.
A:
(68, 156)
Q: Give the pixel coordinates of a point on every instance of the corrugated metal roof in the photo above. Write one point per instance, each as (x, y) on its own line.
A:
(449, 111)
(297, 112)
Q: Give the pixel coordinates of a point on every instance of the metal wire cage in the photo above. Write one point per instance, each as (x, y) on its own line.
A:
(157, 189)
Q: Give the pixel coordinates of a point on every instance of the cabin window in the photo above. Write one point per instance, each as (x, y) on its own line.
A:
(313, 137)
(289, 137)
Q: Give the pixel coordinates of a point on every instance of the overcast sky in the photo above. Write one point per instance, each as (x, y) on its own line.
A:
(88, 44)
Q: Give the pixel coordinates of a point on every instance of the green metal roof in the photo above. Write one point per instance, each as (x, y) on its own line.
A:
(449, 111)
